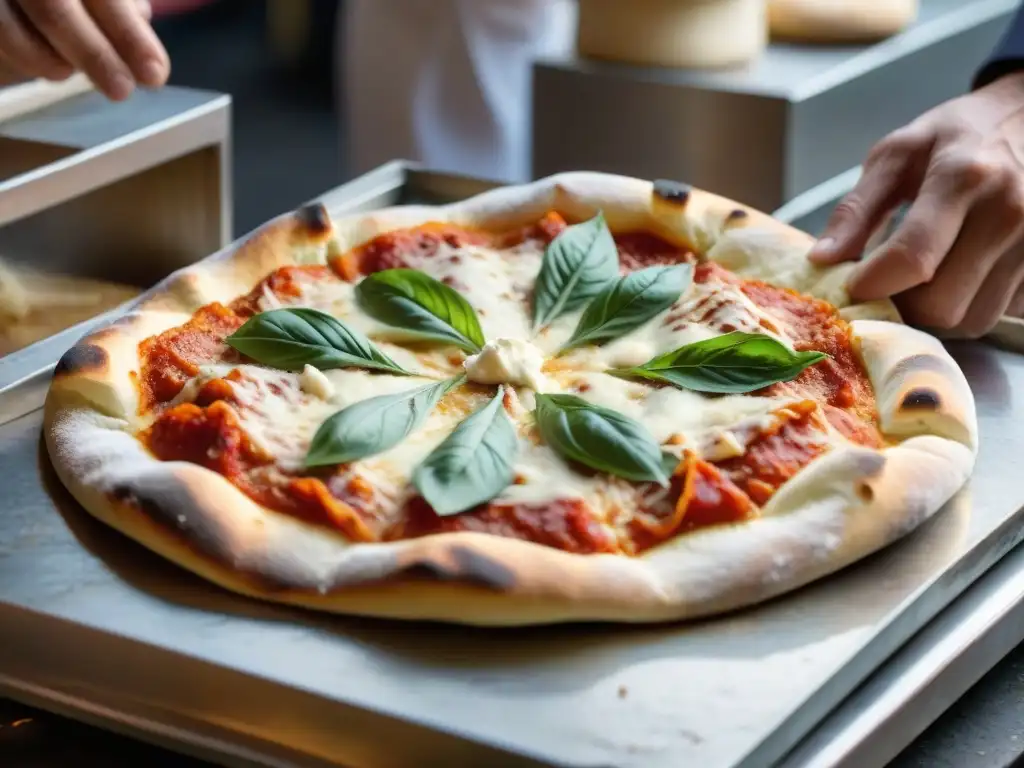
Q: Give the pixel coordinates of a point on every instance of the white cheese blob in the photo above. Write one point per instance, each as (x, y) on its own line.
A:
(314, 382)
(507, 361)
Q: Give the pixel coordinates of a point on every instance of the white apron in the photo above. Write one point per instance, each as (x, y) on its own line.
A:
(446, 82)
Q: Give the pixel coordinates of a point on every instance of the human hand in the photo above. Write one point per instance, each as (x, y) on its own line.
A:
(111, 41)
(956, 261)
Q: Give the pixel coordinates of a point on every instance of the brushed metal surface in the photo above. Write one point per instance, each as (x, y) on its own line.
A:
(926, 678)
(139, 144)
(161, 653)
(738, 691)
(125, 193)
(765, 133)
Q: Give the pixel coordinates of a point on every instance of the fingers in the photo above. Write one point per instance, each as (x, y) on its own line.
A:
(1016, 308)
(951, 300)
(75, 36)
(109, 40)
(891, 172)
(128, 30)
(26, 51)
(912, 254)
(998, 293)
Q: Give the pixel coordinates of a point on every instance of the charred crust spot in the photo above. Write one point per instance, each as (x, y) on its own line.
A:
(467, 565)
(314, 219)
(865, 493)
(736, 215)
(673, 192)
(169, 508)
(82, 358)
(153, 509)
(921, 399)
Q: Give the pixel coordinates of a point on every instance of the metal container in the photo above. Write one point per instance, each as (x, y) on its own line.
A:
(762, 134)
(122, 192)
(94, 626)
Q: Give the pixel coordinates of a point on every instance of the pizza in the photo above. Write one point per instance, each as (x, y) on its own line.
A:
(590, 397)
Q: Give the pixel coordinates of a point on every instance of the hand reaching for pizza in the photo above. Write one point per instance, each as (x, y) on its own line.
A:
(956, 261)
(111, 41)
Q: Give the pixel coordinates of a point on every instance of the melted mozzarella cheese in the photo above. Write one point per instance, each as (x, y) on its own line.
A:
(314, 382)
(282, 411)
(507, 361)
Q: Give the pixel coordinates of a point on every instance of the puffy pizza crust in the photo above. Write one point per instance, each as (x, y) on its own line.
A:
(839, 509)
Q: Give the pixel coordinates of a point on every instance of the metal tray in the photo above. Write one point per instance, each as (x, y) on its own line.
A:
(96, 627)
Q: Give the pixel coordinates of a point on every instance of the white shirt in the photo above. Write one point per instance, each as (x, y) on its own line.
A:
(446, 82)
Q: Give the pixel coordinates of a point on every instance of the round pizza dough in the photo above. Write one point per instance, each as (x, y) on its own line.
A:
(839, 21)
(838, 509)
(672, 33)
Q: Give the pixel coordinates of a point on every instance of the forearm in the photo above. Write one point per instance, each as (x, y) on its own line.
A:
(1008, 55)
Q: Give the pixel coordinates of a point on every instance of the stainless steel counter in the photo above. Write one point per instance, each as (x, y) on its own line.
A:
(798, 116)
(94, 626)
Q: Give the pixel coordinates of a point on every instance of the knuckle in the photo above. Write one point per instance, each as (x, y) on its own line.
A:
(850, 208)
(1008, 190)
(913, 250)
(968, 173)
(898, 143)
(1013, 201)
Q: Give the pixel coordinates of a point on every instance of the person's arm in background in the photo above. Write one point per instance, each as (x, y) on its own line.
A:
(956, 261)
(111, 41)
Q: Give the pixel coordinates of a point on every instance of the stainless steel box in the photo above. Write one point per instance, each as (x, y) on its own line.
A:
(798, 116)
(124, 192)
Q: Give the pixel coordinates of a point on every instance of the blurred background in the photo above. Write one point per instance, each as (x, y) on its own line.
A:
(275, 59)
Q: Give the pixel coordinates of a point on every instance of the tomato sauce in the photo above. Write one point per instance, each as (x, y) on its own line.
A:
(172, 358)
(777, 453)
(702, 496)
(565, 524)
(211, 437)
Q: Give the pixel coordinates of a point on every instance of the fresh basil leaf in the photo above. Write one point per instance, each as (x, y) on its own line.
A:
(473, 464)
(577, 265)
(421, 305)
(374, 425)
(629, 303)
(291, 338)
(734, 363)
(600, 438)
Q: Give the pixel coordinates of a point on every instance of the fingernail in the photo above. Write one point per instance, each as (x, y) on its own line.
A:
(121, 87)
(822, 250)
(153, 72)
